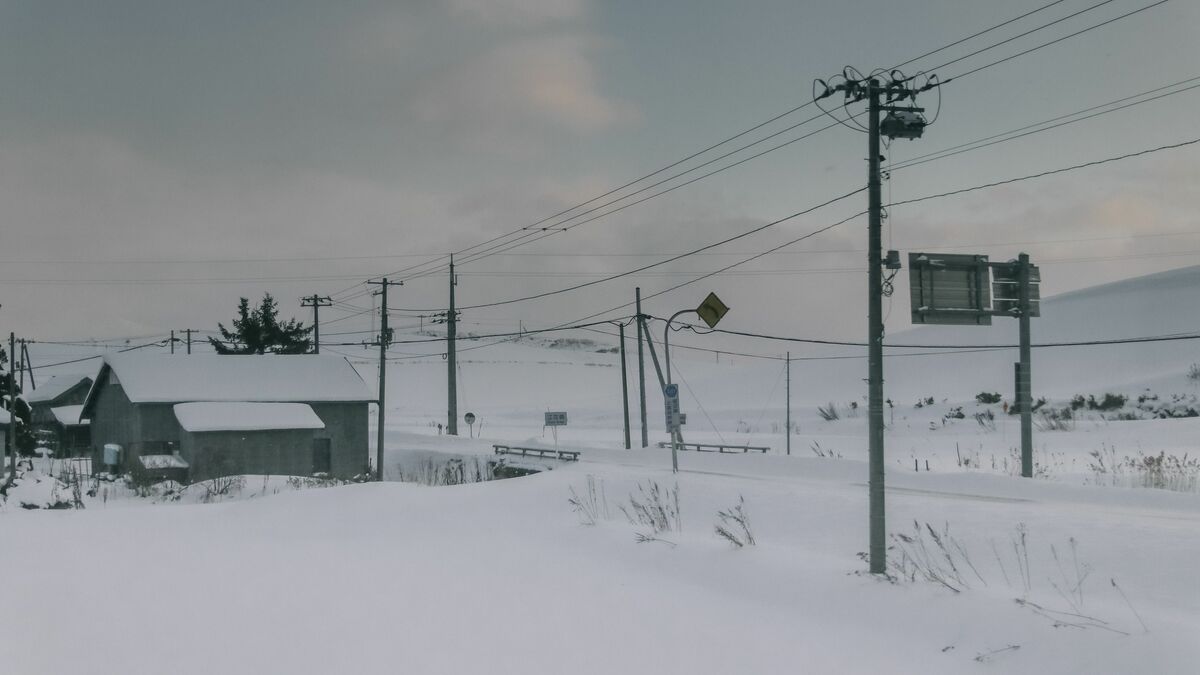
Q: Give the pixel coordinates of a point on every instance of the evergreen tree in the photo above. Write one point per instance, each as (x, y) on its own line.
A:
(21, 414)
(259, 331)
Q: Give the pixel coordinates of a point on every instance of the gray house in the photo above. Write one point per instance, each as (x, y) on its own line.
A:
(201, 416)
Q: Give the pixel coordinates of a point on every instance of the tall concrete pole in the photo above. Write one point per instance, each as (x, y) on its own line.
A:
(875, 477)
(384, 339)
(172, 342)
(451, 361)
(641, 335)
(1024, 382)
(788, 423)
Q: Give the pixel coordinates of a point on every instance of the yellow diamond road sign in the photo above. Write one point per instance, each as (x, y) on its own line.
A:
(711, 310)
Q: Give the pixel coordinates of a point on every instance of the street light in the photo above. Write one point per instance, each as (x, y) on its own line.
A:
(710, 311)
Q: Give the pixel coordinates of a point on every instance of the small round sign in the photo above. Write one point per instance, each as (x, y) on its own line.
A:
(470, 418)
(671, 390)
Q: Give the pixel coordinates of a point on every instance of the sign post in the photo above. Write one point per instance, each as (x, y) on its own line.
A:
(469, 418)
(554, 420)
(955, 289)
(671, 408)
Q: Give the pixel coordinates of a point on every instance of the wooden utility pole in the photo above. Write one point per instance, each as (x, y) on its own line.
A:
(10, 439)
(385, 338)
(451, 360)
(316, 302)
(188, 341)
(28, 363)
(22, 364)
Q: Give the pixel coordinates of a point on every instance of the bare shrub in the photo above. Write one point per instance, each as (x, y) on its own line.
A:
(829, 412)
(1051, 419)
(654, 508)
(733, 525)
(592, 505)
(824, 453)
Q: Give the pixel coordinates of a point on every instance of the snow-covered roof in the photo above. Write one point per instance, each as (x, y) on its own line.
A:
(53, 388)
(162, 378)
(68, 415)
(163, 462)
(246, 416)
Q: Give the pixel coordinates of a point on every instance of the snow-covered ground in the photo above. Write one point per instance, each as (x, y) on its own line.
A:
(1083, 569)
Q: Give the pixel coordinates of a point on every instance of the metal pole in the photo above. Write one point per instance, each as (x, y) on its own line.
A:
(189, 341)
(451, 361)
(625, 388)
(24, 364)
(1025, 393)
(172, 342)
(875, 480)
(383, 343)
(667, 366)
(641, 368)
(788, 423)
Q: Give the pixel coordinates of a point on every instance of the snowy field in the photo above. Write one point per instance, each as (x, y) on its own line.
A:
(1087, 568)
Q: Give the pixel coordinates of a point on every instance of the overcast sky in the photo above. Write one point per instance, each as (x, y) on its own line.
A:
(158, 160)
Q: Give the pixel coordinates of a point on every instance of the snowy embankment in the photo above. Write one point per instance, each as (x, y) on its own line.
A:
(505, 576)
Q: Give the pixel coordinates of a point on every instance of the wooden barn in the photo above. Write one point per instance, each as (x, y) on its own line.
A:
(56, 406)
(202, 416)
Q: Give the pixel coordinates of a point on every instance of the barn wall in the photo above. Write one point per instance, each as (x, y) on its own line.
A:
(282, 452)
(347, 427)
(139, 428)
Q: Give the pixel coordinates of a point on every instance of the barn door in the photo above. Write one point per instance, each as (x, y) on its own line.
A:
(322, 456)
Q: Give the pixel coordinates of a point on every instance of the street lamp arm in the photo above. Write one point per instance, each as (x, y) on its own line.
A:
(667, 340)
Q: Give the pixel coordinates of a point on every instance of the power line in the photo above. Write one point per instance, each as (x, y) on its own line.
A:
(1046, 173)
(701, 152)
(1194, 335)
(1055, 41)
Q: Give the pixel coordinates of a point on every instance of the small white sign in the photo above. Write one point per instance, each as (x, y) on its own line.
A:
(671, 406)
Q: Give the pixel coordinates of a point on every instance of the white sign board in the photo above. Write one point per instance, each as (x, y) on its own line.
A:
(556, 419)
(671, 405)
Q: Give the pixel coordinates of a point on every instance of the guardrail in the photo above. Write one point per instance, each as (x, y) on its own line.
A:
(565, 455)
(717, 447)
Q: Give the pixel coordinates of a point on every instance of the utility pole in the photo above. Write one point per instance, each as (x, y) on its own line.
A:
(641, 334)
(901, 122)
(23, 364)
(451, 360)
(28, 363)
(316, 302)
(788, 423)
(385, 338)
(188, 341)
(1024, 375)
(10, 439)
(172, 341)
(624, 386)
(878, 529)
